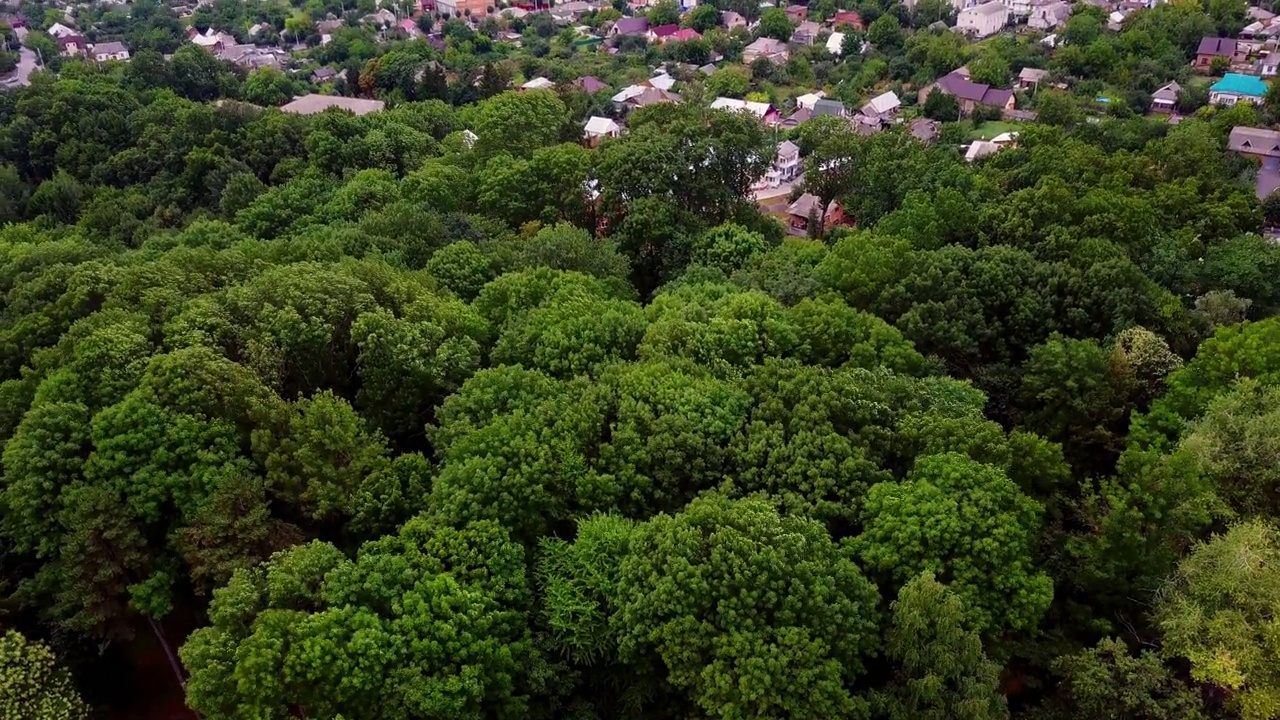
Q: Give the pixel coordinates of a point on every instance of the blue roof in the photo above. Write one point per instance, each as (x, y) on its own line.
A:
(1240, 84)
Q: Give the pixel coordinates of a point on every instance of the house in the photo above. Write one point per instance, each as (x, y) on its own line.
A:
(1031, 77)
(661, 81)
(462, 8)
(629, 27)
(848, 17)
(599, 128)
(1049, 17)
(538, 83)
(590, 84)
(786, 165)
(806, 33)
(797, 13)
(807, 208)
(775, 51)
(410, 28)
(1019, 9)
(257, 28)
(327, 28)
(1165, 99)
(983, 20)
(797, 118)
(58, 30)
(983, 148)
(114, 50)
(1234, 88)
(385, 18)
(825, 106)
(685, 35)
(866, 125)
(1267, 66)
(323, 75)
(72, 45)
(312, 104)
(634, 96)
(210, 39)
(883, 106)
(969, 93)
(1212, 48)
(660, 34)
(764, 112)
(1258, 142)
(1260, 15)
(925, 130)
(731, 21)
(835, 43)
(808, 99)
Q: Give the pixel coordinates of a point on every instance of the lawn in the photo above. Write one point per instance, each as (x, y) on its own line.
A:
(992, 128)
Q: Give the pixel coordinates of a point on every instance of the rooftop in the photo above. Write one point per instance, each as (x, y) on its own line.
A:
(1240, 85)
(312, 104)
(1217, 46)
(1255, 141)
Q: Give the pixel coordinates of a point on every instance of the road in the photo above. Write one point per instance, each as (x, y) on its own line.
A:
(26, 64)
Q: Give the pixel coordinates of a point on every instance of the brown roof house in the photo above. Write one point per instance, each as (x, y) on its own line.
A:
(848, 17)
(72, 45)
(732, 20)
(802, 213)
(806, 33)
(970, 94)
(797, 13)
(1216, 47)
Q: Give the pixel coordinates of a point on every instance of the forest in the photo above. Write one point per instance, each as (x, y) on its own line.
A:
(436, 413)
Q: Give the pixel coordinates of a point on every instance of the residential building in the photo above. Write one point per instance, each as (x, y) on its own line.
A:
(590, 84)
(210, 39)
(1234, 88)
(634, 96)
(1258, 142)
(1049, 17)
(925, 130)
(629, 26)
(848, 17)
(970, 94)
(806, 209)
(808, 99)
(786, 165)
(661, 33)
(764, 112)
(806, 33)
(1019, 9)
(58, 30)
(102, 52)
(1031, 77)
(324, 75)
(463, 8)
(1165, 100)
(411, 29)
(883, 106)
(731, 20)
(797, 13)
(826, 106)
(774, 51)
(538, 83)
(661, 81)
(983, 20)
(72, 45)
(866, 124)
(685, 35)
(835, 43)
(599, 128)
(1267, 66)
(1212, 48)
(312, 104)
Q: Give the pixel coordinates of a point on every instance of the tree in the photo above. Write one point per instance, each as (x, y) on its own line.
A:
(702, 18)
(268, 87)
(885, 33)
(753, 580)
(518, 122)
(730, 80)
(941, 106)
(33, 686)
(921, 523)
(59, 198)
(775, 24)
(942, 670)
(1106, 681)
(664, 13)
(1058, 108)
(1218, 611)
(388, 634)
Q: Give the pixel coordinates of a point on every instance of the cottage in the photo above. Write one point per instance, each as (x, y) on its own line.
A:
(1234, 88)
(731, 20)
(1049, 17)
(323, 75)
(970, 94)
(590, 84)
(635, 96)
(58, 30)
(1165, 99)
(925, 130)
(1031, 77)
(1258, 142)
(983, 20)
(806, 33)
(772, 50)
(102, 52)
(848, 17)
(883, 106)
(808, 99)
(786, 165)
(825, 106)
(808, 208)
(764, 112)
(599, 128)
(660, 34)
(1212, 48)
(410, 28)
(312, 104)
(685, 35)
(72, 45)
(629, 27)
(797, 13)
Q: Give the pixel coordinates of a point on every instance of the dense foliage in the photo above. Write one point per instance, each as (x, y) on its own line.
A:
(363, 417)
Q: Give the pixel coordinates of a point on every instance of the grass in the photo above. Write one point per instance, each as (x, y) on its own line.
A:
(992, 128)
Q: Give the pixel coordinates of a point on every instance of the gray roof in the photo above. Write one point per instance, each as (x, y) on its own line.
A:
(828, 107)
(631, 26)
(1255, 141)
(1168, 93)
(311, 104)
(112, 47)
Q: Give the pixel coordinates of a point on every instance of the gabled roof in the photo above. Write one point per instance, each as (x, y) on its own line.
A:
(1217, 46)
(758, 109)
(1168, 93)
(788, 149)
(992, 8)
(114, 47)
(538, 83)
(767, 46)
(311, 104)
(631, 26)
(835, 43)
(1034, 75)
(1255, 141)
(957, 83)
(828, 107)
(601, 126)
(661, 81)
(685, 35)
(664, 31)
(591, 84)
(1240, 85)
(881, 104)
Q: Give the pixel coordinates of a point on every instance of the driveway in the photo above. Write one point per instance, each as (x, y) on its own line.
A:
(1268, 177)
(26, 64)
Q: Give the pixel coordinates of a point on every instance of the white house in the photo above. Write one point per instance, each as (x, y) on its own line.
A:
(983, 20)
(835, 43)
(762, 110)
(1049, 17)
(598, 128)
(808, 100)
(786, 165)
(103, 52)
(538, 83)
(59, 30)
(882, 106)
